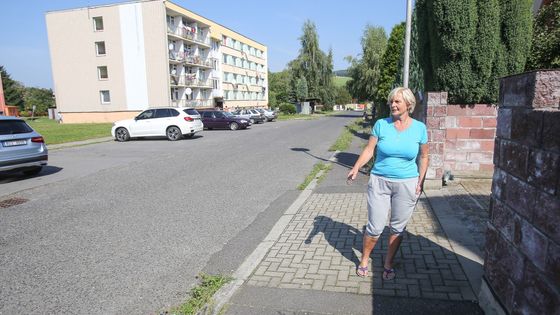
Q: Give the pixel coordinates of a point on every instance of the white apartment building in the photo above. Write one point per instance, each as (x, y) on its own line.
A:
(110, 62)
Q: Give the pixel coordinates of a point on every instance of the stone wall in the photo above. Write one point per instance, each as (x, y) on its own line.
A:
(469, 139)
(522, 253)
(461, 137)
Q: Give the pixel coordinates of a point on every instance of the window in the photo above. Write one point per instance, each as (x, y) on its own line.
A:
(100, 48)
(163, 113)
(102, 73)
(207, 114)
(252, 51)
(214, 83)
(146, 114)
(225, 59)
(105, 96)
(215, 64)
(98, 23)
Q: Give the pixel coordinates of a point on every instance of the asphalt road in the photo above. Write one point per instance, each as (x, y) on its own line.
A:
(125, 228)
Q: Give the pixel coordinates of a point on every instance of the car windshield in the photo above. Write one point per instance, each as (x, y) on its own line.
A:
(9, 127)
(228, 114)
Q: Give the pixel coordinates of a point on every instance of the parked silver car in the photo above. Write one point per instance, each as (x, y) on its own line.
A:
(21, 147)
(269, 114)
(254, 116)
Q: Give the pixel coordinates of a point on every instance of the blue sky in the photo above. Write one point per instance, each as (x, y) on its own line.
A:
(24, 50)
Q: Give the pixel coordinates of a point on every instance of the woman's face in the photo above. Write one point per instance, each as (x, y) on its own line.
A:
(398, 106)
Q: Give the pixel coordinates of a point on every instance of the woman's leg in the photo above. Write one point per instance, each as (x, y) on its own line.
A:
(369, 244)
(394, 243)
(403, 203)
(379, 201)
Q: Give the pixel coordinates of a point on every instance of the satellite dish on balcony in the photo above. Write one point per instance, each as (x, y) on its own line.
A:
(171, 46)
(188, 91)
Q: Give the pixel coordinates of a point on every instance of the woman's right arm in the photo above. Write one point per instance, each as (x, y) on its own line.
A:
(366, 155)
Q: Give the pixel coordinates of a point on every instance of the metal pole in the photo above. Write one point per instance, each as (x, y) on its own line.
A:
(407, 42)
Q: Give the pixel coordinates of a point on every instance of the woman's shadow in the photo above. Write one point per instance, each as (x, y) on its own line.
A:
(343, 237)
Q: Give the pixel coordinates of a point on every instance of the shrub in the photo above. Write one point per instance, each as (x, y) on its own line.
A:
(287, 108)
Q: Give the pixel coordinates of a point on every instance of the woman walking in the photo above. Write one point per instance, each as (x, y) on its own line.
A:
(396, 178)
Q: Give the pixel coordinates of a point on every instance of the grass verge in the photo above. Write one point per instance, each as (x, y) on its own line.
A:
(345, 139)
(55, 133)
(295, 116)
(316, 169)
(201, 294)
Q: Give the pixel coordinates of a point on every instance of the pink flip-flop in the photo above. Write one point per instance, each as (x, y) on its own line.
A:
(362, 271)
(389, 274)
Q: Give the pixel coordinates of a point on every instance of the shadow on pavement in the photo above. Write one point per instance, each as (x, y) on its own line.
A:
(341, 236)
(13, 176)
(429, 277)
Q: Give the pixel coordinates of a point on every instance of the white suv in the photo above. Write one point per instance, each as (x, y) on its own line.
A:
(170, 122)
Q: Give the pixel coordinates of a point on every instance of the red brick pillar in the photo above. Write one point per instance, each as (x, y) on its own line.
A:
(522, 253)
(435, 110)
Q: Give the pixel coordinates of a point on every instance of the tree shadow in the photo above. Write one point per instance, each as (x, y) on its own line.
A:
(344, 159)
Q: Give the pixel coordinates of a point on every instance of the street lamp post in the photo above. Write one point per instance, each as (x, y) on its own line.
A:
(407, 42)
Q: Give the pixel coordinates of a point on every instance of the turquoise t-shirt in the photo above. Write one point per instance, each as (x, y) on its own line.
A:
(397, 150)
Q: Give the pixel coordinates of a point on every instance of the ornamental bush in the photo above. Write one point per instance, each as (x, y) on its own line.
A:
(287, 108)
(545, 48)
(466, 46)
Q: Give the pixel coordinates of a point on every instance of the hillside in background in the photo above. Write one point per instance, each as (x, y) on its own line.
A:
(340, 80)
(341, 73)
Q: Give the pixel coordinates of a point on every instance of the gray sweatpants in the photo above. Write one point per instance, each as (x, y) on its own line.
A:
(397, 195)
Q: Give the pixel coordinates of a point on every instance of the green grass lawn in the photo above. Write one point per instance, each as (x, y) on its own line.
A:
(340, 81)
(55, 133)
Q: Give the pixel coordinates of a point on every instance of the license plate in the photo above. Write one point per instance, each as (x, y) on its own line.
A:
(11, 143)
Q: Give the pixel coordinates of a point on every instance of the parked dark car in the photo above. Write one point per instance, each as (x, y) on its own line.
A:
(222, 120)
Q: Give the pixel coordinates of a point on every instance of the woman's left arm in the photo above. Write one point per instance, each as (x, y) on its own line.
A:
(422, 167)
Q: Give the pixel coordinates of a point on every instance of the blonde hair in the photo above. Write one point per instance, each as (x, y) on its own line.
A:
(407, 96)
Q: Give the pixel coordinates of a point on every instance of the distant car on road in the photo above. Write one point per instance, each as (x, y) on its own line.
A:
(270, 115)
(223, 120)
(170, 122)
(21, 147)
(254, 116)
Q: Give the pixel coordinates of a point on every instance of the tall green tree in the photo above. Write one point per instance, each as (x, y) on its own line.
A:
(279, 88)
(13, 90)
(465, 46)
(389, 68)
(342, 96)
(313, 65)
(42, 99)
(302, 91)
(545, 48)
(364, 70)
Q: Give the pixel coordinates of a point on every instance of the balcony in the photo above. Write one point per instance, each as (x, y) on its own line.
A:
(192, 103)
(186, 34)
(189, 80)
(198, 61)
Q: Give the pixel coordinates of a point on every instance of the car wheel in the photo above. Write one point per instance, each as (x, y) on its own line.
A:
(173, 133)
(234, 126)
(122, 135)
(33, 171)
(252, 121)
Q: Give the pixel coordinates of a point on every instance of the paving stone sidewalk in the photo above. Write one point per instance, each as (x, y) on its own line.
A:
(320, 247)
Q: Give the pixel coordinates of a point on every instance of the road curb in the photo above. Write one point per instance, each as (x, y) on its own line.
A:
(242, 274)
(78, 143)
